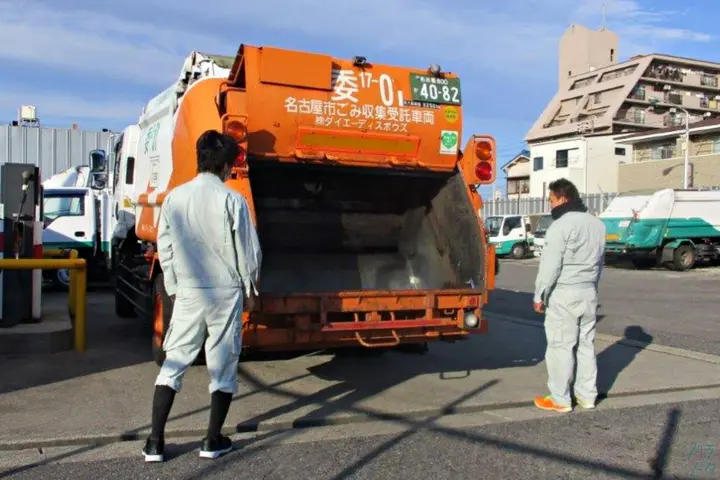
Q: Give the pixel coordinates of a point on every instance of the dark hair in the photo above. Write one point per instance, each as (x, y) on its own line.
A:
(563, 187)
(215, 151)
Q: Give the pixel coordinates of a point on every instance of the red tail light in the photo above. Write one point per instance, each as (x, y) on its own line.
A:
(484, 171)
(237, 130)
(241, 157)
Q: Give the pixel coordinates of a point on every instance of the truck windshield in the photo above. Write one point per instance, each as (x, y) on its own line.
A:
(63, 205)
(544, 223)
(493, 225)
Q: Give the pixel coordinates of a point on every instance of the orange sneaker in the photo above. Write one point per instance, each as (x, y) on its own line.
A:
(547, 403)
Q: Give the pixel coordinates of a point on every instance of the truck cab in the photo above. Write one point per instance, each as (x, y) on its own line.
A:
(543, 223)
(511, 235)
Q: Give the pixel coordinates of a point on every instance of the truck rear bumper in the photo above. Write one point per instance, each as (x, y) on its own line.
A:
(384, 320)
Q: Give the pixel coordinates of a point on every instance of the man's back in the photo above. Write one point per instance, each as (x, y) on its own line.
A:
(200, 215)
(583, 236)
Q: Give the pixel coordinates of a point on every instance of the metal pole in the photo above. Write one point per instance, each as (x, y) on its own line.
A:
(687, 149)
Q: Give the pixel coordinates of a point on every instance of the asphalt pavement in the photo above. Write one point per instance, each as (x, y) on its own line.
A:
(675, 440)
(461, 411)
(677, 309)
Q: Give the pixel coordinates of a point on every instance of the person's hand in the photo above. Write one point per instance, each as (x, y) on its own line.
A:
(539, 307)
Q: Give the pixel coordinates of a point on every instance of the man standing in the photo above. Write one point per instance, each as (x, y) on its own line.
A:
(566, 290)
(210, 258)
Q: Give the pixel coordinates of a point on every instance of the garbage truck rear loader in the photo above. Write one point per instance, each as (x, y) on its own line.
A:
(364, 204)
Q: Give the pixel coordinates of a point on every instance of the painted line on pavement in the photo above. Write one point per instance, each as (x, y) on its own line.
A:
(653, 347)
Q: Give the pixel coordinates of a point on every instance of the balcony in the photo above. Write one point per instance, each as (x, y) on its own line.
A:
(665, 72)
(637, 117)
(638, 94)
(674, 98)
(709, 81)
(673, 121)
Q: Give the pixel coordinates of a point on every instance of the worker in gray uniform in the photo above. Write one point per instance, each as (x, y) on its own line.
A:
(566, 291)
(210, 257)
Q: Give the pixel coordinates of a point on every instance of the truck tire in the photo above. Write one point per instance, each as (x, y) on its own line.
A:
(162, 312)
(519, 250)
(684, 258)
(123, 307)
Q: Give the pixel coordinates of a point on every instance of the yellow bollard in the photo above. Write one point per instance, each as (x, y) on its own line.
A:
(80, 310)
(72, 300)
(79, 290)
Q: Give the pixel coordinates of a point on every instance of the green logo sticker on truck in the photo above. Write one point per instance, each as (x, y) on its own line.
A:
(449, 142)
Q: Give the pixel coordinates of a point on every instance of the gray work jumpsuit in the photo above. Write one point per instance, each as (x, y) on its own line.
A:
(210, 255)
(567, 282)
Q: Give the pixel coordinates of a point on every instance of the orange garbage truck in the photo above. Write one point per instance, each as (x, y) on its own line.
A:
(365, 205)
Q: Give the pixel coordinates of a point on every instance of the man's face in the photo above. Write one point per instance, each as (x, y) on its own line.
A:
(556, 201)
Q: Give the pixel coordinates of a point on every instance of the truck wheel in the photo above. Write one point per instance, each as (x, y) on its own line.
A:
(684, 258)
(162, 312)
(519, 250)
(61, 279)
(123, 308)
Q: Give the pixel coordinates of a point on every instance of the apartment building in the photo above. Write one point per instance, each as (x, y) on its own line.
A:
(658, 159)
(517, 175)
(608, 99)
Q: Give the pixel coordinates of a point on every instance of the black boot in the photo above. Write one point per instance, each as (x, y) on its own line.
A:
(216, 444)
(154, 450)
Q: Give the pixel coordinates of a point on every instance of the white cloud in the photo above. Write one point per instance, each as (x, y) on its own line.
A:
(146, 50)
(69, 107)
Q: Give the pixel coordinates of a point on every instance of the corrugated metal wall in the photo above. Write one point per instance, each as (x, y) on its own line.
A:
(596, 203)
(52, 149)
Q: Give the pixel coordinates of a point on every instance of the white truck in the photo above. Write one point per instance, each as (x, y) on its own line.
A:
(76, 215)
(674, 228)
(543, 222)
(511, 235)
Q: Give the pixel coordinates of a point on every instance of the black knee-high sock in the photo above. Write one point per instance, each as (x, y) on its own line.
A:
(162, 403)
(219, 406)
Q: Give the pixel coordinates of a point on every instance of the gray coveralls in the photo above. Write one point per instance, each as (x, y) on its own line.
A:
(209, 252)
(567, 282)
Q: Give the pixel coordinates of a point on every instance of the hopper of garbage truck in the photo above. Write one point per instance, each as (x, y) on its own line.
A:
(333, 229)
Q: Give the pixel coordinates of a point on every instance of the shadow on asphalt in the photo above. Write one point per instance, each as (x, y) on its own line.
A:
(362, 376)
(112, 343)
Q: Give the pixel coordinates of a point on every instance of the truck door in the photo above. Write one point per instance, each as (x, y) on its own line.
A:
(69, 218)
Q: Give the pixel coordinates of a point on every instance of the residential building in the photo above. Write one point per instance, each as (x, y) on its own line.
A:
(645, 92)
(586, 160)
(517, 173)
(658, 159)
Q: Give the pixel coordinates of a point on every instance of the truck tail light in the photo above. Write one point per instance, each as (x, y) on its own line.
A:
(237, 130)
(241, 157)
(484, 171)
(485, 166)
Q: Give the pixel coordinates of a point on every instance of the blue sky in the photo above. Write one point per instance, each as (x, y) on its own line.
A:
(96, 63)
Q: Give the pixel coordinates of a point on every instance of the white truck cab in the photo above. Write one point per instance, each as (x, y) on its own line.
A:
(511, 235)
(543, 223)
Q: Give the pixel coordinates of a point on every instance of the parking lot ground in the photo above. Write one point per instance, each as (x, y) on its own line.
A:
(678, 309)
(105, 394)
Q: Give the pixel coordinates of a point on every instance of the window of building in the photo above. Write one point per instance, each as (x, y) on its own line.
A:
(619, 151)
(597, 98)
(716, 145)
(663, 151)
(517, 186)
(537, 164)
(612, 54)
(566, 157)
